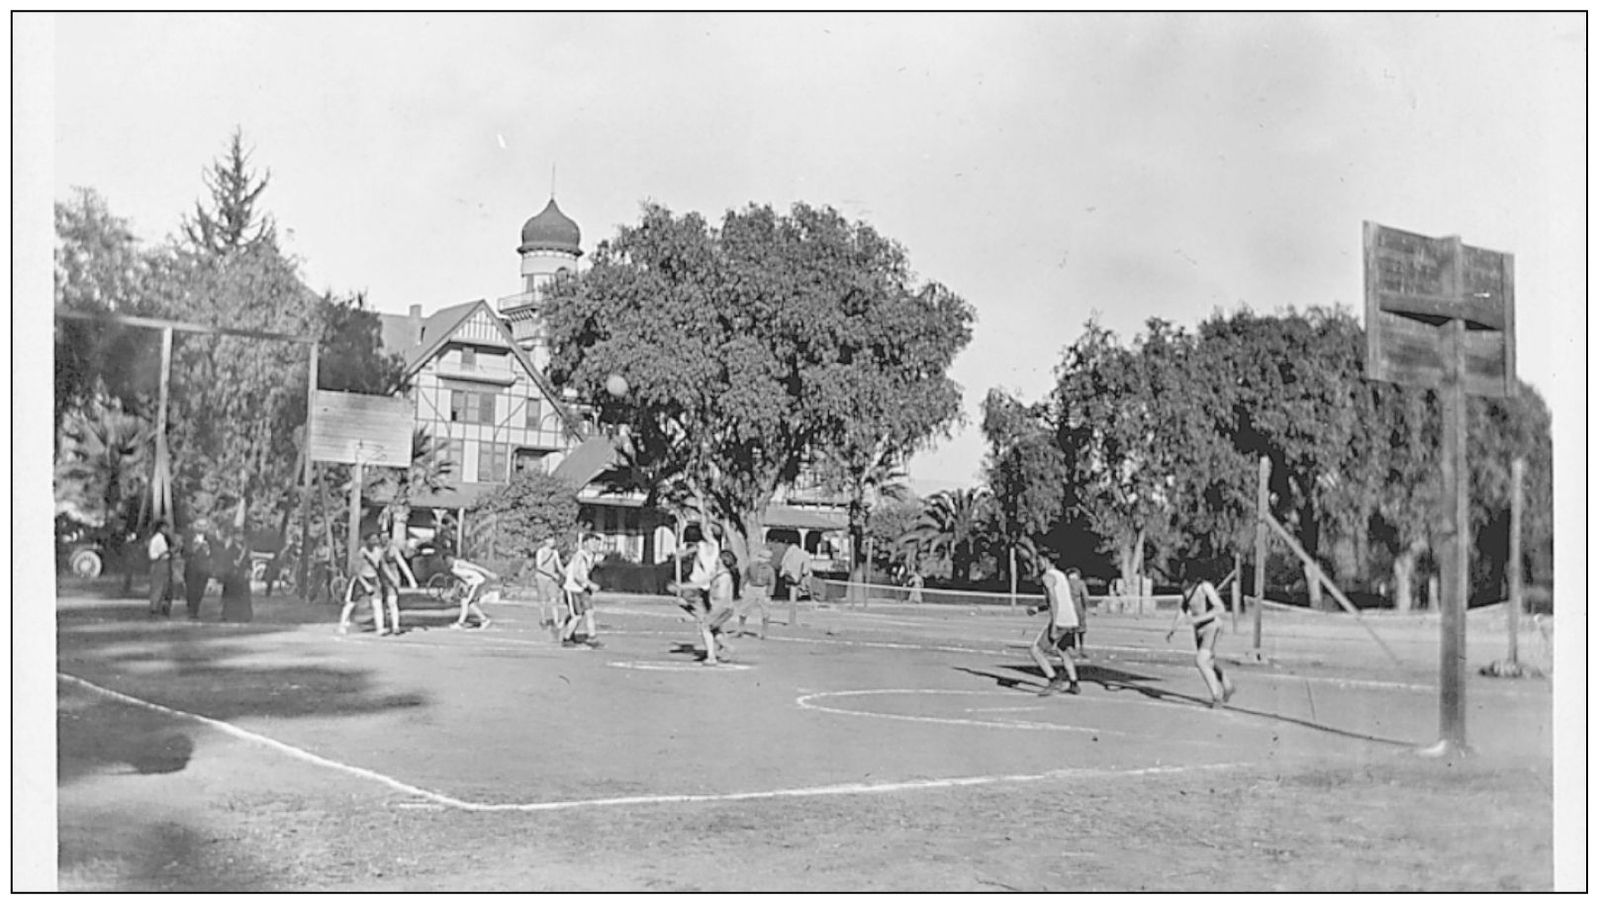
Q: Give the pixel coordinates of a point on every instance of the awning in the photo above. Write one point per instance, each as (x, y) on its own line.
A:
(592, 457)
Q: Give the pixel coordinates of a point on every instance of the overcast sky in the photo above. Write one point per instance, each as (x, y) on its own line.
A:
(1045, 167)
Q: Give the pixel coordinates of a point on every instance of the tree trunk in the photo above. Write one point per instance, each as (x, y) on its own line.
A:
(1311, 572)
(1403, 579)
(1128, 567)
(856, 553)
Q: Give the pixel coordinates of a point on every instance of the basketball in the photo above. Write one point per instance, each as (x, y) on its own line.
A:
(616, 385)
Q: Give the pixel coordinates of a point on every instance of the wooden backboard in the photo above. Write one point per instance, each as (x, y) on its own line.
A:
(1414, 285)
(373, 430)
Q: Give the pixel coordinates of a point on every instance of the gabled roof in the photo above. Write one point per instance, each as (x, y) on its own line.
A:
(437, 329)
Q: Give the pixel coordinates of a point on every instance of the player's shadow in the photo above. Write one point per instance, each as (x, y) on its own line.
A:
(1117, 680)
(687, 649)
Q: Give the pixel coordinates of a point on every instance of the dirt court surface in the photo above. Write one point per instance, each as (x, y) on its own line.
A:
(884, 749)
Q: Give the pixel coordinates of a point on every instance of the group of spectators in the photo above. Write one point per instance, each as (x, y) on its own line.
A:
(206, 553)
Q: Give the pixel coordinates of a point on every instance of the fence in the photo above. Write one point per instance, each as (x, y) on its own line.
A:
(838, 591)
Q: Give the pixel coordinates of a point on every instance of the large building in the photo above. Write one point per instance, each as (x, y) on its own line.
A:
(477, 380)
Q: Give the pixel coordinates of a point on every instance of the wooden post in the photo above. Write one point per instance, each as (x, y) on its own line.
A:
(1236, 588)
(352, 542)
(870, 551)
(310, 467)
(1455, 527)
(1516, 574)
(1012, 581)
(161, 484)
(1319, 575)
(1261, 539)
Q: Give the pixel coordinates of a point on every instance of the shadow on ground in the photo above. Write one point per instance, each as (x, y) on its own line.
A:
(1112, 679)
(207, 668)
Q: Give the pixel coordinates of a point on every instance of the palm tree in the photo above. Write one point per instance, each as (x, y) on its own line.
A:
(865, 480)
(102, 465)
(951, 526)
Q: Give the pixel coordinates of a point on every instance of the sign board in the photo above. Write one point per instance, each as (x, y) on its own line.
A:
(348, 427)
(1413, 286)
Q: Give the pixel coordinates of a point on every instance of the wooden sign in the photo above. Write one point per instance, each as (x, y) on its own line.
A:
(352, 428)
(1414, 285)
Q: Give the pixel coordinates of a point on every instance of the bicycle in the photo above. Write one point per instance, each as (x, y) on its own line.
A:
(330, 578)
(446, 588)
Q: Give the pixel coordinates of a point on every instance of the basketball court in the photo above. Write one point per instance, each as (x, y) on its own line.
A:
(903, 708)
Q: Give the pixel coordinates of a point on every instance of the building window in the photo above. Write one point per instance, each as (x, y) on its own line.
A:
(534, 412)
(468, 357)
(470, 407)
(493, 460)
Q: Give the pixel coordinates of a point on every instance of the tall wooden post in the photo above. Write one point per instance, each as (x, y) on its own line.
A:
(870, 552)
(1455, 559)
(352, 543)
(1236, 588)
(161, 485)
(1261, 539)
(1516, 574)
(310, 468)
(1012, 581)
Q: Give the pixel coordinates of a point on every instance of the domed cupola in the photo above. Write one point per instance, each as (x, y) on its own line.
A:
(551, 230)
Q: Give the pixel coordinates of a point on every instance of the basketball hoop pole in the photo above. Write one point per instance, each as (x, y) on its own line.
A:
(310, 469)
(353, 540)
(1455, 569)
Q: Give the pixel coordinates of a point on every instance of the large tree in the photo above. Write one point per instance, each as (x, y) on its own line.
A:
(755, 348)
(231, 222)
(100, 269)
(1025, 469)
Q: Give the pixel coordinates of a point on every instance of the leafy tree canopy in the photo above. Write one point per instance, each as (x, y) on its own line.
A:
(531, 507)
(757, 347)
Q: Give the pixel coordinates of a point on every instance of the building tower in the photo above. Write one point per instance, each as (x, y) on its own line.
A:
(551, 244)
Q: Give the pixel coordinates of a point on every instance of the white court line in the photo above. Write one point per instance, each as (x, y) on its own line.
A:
(805, 702)
(812, 791)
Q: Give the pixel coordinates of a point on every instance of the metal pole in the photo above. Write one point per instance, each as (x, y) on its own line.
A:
(1261, 539)
(1516, 573)
(310, 467)
(1455, 559)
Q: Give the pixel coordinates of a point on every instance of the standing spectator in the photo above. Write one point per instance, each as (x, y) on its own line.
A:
(1078, 595)
(548, 573)
(916, 584)
(235, 568)
(796, 569)
(757, 587)
(196, 568)
(160, 554)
